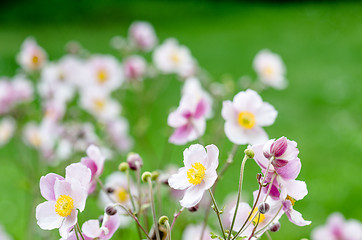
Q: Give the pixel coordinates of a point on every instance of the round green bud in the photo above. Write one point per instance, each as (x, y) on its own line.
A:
(162, 220)
(249, 153)
(123, 166)
(155, 175)
(146, 176)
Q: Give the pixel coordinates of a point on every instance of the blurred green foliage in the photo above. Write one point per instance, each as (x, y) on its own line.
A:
(321, 44)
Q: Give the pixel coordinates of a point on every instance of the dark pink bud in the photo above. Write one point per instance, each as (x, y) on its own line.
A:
(194, 208)
(267, 155)
(279, 162)
(274, 227)
(279, 147)
(134, 161)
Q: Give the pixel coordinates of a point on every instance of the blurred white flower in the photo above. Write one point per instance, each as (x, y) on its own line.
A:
(194, 232)
(118, 130)
(3, 234)
(142, 35)
(270, 69)
(32, 56)
(171, 57)
(7, 129)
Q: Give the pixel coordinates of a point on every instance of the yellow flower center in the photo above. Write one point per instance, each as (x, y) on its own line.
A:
(292, 200)
(64, 205)
(35, 140)
(102, 76)
(196, 174)
(175, 57)
(99, 104)
(246, 119)
(122, 195)
(35, 60)
(268, 71)
(261, 218)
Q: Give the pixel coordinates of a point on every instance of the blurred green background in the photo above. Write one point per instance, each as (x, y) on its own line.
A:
(320, 43)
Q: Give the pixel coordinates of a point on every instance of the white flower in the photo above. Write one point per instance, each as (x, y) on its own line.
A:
(99, 104)
(3, 234)
(245, 116)
(118, 130)
(270, 69)
(134, 68)
(102, 72)
(193, 232)
(7, 128)
(171, 57)
(31, 57)
(198, 175)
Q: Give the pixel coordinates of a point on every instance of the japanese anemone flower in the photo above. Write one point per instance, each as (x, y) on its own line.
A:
(198, 175)
(245, 116)
(64, 198)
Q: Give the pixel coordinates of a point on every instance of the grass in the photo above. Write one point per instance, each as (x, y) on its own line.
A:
(320, 109)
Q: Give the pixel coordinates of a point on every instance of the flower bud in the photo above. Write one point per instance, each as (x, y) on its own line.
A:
(279, 147)
(134, 161)
(146, 176)
(123, 167)
(100, 219)
(110, 190)
(155, 175)
(263, 207)
(249, 153)
(162, 220)
(110, 210)
(194, 208)
(274, 227)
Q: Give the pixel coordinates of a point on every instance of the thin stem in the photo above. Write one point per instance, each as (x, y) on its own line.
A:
(267, 170)
(159, 200)
(129, 191)
(80, 231)
(76, 232)
(153, 210)
(217, 213)
(175, 217)
(229, 161)
(134, 217)
(268, 235)
(256, 225)
(252, 210)
(239, 192)
(168, 230)
(270, 186)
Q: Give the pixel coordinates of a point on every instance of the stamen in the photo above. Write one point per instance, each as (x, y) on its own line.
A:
(196, 174)
(246, 119)
(64, 206)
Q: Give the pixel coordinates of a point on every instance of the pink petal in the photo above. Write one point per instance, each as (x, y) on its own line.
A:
(79, 172)
(47, 185)
(68, 224)
(46, 216)
(180, 135)
(91, 229)
(290, 170)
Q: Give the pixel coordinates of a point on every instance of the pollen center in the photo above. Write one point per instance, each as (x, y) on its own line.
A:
(99, 104)
(35, 60)
(102, 76)
(268, 71)
(196, 174)
(64, 205)
(246, 120)
(292, 200)
(175, 57)
(261, 217)
(122, 195)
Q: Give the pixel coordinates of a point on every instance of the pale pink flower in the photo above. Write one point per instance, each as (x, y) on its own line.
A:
(337, 228)
(4, 235)
(134, 68)
(194, 232)
(142, 35)
(171, 57)
(32, 56)
(118, 131)
(245, 116)
(198, 175)
(7, 129)
(270, 69)
(102, 72)
(64, 198)
(189, 118)
(95, 162)
(281, 151)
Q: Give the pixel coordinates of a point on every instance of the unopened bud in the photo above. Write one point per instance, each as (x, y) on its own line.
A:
(263, 207)
(194, 208)
(100, 220)
(249, 153)
(109, 190)
(134, 161)
(279, 147)
(274, 227)
(162, 220)
(146, 176)
(110, 210)
(155, 175)
(123, 167)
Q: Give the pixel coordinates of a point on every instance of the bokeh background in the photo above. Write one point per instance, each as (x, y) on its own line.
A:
(320, 43)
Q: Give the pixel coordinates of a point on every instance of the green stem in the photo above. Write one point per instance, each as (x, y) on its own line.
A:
(217, 213)
(80, 231)
(153, 210)
(239, 193)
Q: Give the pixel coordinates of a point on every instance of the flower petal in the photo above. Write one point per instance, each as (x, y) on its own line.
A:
(80, 172)
(68, 224)
(265, 115)
(47, 186)
(46, 216)
(193, 196)
(91, 229)
(179, 180)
